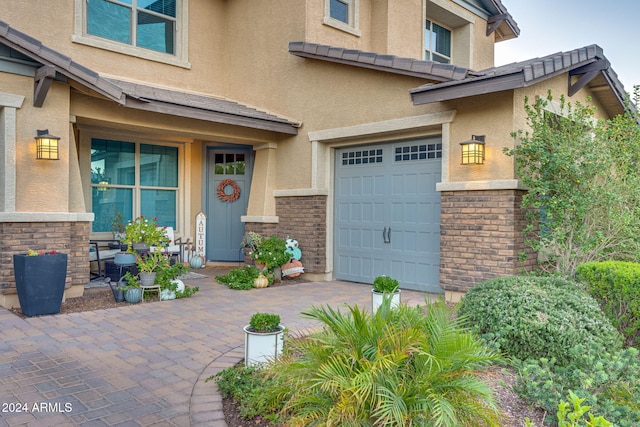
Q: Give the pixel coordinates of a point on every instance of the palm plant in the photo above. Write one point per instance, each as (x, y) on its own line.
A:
(393, 368)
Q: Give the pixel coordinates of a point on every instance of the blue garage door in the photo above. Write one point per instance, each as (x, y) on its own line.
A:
(387, 213)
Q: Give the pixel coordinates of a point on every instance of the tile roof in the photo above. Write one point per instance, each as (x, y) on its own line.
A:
(146, 97)
(169, 101)
(523, 74)
(389, 63)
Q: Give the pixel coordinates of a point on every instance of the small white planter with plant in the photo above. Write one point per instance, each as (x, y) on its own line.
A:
(264, 339)
(385, 286)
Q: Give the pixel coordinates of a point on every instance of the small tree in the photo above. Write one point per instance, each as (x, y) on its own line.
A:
(583, 202)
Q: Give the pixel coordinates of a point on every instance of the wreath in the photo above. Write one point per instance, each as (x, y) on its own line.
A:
(228, 197)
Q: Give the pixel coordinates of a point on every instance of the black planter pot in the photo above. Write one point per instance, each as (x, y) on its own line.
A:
(40, 282)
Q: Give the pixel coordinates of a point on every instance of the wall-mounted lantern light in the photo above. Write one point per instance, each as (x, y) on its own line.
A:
(473, 150)
(47, 146)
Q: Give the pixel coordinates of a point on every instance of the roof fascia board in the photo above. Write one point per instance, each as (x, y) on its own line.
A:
(478, 87)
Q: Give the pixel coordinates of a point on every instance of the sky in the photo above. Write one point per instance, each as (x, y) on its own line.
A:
(551, 26)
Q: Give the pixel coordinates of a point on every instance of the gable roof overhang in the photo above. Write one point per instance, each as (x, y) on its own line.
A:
(585, 66)
(52, 65)
(388, 63)
(500, 21)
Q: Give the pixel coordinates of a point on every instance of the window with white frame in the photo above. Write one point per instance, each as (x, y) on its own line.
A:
(149, 24)
(437, 43)
(133, 179)
(342, 14)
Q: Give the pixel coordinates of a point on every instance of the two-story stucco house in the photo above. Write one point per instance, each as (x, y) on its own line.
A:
(338, 123)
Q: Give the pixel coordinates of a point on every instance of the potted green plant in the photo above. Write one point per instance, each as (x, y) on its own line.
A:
(385, 287)
(40, 280)
(142, 233)
(149, 264)
(272, 253)
(132, 291)
(118, 226)
(168, 280)
(264, 339)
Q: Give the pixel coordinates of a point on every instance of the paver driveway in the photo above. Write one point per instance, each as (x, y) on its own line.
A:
(145, 364)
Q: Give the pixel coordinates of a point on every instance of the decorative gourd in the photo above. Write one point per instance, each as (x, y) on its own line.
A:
(261, 281)
(196, 262)
(293, 268)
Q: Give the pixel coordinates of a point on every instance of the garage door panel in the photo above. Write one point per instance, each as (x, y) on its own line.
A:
(396, 192)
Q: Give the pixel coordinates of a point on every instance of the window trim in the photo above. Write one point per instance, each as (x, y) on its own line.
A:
(427, 48)
(353, 26)
(179, 59)
(182, 197)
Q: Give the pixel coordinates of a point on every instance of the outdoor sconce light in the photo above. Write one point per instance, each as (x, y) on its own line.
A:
(473, 150)
(47, 146)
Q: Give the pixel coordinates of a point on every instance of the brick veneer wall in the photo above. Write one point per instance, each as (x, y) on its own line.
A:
(303, 218)
(71, 238)
(481, 237)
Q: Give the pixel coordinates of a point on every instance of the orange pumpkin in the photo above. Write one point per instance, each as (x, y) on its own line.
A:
(293, 268)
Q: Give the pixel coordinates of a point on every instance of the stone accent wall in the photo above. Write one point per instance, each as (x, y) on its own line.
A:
(481, 237)
(71, 238)
(303, 218)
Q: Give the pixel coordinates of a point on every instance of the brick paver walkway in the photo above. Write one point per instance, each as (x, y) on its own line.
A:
(144, 364)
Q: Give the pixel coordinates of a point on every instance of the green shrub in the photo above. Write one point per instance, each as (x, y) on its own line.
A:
(616, 286)
(243, 384)
(397, 367)
(571, 413)
(239, 278)
(610, 380)
(533, 317)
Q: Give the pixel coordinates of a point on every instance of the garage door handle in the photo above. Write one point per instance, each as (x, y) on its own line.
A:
(386, 235)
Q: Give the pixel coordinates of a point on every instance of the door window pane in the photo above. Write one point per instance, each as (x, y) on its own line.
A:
(158, 166)
(160, 204)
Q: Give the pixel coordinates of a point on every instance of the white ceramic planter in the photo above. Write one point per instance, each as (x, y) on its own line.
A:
(376, 299)
(260, 347)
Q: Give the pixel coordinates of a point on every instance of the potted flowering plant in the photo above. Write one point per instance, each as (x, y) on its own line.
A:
(40, 280)
(142, 233)
(272, 253)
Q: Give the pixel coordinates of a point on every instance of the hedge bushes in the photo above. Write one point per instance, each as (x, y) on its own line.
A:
(536, 317)
(616, 286)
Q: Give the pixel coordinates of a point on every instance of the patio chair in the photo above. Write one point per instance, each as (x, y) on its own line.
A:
(98, 253)
(175, 246)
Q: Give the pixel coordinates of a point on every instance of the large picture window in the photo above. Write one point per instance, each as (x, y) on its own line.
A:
(131, 179)
(149, 24)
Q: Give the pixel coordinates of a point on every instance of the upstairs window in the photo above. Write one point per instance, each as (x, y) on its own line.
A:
(149, 24)
(339, 9)
(437, 43)
(343, 15)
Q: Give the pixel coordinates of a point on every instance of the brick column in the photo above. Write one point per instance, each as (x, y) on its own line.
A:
(303, 218)
(481, 238)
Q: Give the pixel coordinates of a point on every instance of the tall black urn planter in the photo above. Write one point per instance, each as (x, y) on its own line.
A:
(40, 282)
